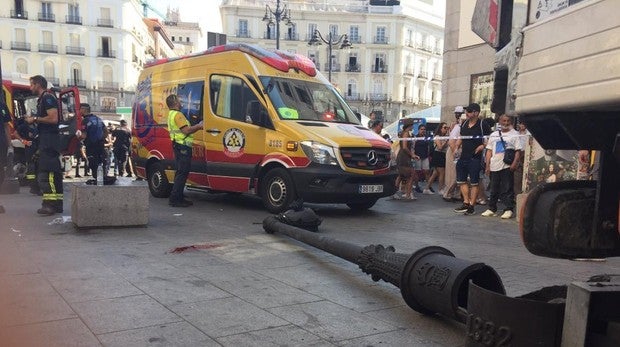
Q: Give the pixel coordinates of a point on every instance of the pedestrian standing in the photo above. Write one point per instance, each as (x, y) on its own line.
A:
(452, 155)
(468, 166)
(422, 150)
(122, 141)
(50, 171)
(94, 133)
(524, 137)
(438, 161)
(182, 140)
(500, 172)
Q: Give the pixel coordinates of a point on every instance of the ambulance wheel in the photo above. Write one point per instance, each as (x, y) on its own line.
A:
(362, 206)
(158, 182)
(277, 190)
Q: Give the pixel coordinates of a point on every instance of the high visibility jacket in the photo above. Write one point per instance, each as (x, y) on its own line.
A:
(176, 120)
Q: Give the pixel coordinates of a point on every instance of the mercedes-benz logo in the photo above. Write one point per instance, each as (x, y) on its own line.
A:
(372, 157)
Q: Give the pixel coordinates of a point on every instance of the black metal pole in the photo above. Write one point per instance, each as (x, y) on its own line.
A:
(277, 14)
(329, 43)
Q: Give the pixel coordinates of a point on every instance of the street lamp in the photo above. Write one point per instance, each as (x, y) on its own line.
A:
(318, 39)
(280, 14)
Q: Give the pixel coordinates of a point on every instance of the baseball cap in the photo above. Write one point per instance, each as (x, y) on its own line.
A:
(459, 109)
(473, 107)
(123, 122)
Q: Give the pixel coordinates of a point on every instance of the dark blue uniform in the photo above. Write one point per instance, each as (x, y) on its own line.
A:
(50, 169)
(4, 119)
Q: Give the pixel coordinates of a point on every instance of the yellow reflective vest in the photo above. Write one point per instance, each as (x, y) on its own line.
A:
(176, 120)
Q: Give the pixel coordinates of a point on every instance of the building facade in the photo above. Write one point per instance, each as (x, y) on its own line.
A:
(99, 46)
(185, 35)
(394, 66)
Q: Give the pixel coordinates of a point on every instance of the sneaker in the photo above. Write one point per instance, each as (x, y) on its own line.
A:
(183, 203)
(410, 198)
(441, 191)
(462, 209)
(507, 214)
(431, 189)
(489, 213)
(470, 211)
(418, 190)
(398, 195)
(481, 202)
(428, 192)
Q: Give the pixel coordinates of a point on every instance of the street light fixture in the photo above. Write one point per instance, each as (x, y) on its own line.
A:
(331, 41)
(274, 17)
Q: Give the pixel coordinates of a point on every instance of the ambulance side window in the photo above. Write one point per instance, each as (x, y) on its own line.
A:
(230, 97)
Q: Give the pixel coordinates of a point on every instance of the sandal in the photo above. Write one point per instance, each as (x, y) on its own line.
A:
(481, 202)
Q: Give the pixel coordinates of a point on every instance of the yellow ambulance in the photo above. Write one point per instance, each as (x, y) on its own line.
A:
(273, 126)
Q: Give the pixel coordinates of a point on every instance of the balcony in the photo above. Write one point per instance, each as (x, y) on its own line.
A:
(291, 37)
(423, 75)
(47, 48)
(73, 50)
(53, 80)
(426, 48)
(353, 97)
(335, 67)
(73, 20)
(243, 33)
(355, 39)
(352, 68)
(106, 53)
(381, 40)
(437, 77)
(269, 35)
(379, 69)
(408, 72)
(47, 17)
(78, 83)
(20, 46)
(19, 14)
(377, 97)
(104, 22)
(107, 85)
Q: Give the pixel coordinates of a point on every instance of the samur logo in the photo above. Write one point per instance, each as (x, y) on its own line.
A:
(234, 142)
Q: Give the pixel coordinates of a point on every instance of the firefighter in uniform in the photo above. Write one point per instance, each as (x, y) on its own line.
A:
(29, 136)
(50, 170)
(181, 135)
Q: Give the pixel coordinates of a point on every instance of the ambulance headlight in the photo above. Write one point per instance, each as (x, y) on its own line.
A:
(319, 153)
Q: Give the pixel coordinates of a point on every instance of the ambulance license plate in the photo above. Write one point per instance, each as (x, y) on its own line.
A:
(371, 188)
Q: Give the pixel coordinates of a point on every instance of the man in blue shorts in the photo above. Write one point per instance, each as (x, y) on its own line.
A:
(469, 164)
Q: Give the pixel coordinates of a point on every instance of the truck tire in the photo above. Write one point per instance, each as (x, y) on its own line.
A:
(158, 182)
(277, 190)
(362, 206)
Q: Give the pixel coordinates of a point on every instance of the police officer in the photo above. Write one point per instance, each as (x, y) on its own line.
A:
(50, 169)
(181, 135)
(92, 126)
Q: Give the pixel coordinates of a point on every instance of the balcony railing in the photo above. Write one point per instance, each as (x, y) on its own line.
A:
(105, 22)
(437, 77)
(353, 96)
(244, 33)
(73, 20)
(408, 72)
(377, 97)
(73, 50)
(335, 67)
(19, 14)
(46, 48)
(379, 69)
(423, 74)
(77, 83)
(352, 68)
(382, 40)
(426, 48)
(107, 85)
(47, 17)
(53, 80)
(291, 37)
(269, 35)
(20, 46)
(355, 39)
(106, 53)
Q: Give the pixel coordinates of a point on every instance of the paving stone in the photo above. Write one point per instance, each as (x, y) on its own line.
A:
(110, 315)
(393, 338)
(330, 321)
(59, 333)
(175, 291)
(289, 335)
(228, 316)
(267, 293)
(171, 334)
(225, 272)
(359, 294)
(79, 287)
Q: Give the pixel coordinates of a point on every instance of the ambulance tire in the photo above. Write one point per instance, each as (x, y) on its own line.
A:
(158, 182)
(361, 206)
(277, 190)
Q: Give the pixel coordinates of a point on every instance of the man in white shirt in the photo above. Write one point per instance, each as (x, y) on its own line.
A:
(502, 174)
(450, 175)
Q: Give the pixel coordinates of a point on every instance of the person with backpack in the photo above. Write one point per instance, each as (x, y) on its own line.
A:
(50, 172)
(93, 132)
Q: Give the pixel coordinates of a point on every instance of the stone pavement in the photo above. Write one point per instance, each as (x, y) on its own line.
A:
(240, 287)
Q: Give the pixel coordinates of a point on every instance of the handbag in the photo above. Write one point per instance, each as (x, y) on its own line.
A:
(509, 153)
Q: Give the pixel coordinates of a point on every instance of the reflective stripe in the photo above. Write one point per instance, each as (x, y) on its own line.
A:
(176, 135)
(52, 185)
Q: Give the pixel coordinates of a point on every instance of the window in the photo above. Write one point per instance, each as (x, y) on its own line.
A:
(292, 32)
(105, 13)
(333, 29)
(49, 70)
(172, 38)
(311, 30)
(46, 9)
(47, 38)
(409, 38)
(354, 34)
(106, 43)
(20, 35)
(76, 73)
(230, 97)
(352, 89)
(108, 74)
(379, 65)
(74, 40)
(187, 39)
(74, 10)
(381, 38)
(243, 28)
(21, 65)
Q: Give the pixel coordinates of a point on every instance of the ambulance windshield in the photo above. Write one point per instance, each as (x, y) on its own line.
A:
(303, 100)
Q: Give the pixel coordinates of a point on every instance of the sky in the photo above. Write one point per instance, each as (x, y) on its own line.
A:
(205, 12)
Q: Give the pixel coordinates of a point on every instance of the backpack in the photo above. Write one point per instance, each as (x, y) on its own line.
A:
(95, 129)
